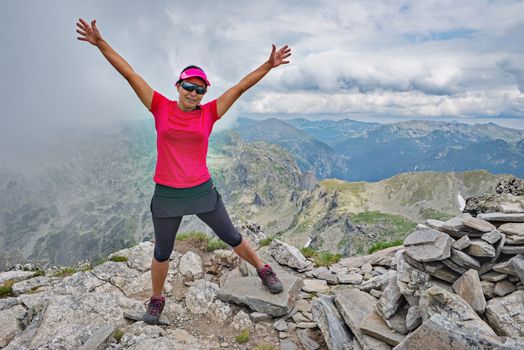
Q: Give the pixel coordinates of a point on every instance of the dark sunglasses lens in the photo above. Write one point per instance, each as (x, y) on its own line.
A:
(190, 87)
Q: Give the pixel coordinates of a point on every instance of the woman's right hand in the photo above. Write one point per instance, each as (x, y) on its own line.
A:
(88, 32)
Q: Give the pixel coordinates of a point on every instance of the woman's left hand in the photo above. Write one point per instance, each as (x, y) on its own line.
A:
(279, 56)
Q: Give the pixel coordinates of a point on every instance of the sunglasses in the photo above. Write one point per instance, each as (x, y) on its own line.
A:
(190, 87)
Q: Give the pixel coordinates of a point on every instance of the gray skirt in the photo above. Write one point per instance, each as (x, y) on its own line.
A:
(170, 202)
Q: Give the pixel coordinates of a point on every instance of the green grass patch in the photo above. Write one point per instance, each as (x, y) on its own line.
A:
(264, 346)
(6, 290)
(196, 235)
(266, 241)
(99, 261)
(428, 213)
(67, 271)
(243, 336)
(308, 252)
(118, 258)
(118, 334)
(39, 273)
(383, 245)
(215, 244)
(327, 258)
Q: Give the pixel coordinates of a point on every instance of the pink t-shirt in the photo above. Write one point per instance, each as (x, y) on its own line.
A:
(182, 141)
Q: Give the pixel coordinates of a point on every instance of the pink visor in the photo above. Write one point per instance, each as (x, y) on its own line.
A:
(194, 72)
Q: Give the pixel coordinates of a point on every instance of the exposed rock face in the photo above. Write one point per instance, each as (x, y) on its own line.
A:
(506, 315)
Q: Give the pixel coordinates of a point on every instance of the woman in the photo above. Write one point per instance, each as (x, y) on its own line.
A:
(183, 183)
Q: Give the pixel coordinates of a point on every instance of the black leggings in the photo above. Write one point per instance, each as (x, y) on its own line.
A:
(166, 229)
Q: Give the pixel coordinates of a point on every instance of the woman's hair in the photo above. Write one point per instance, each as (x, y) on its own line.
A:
(188, 67)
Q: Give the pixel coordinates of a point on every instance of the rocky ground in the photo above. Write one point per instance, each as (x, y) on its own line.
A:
(457, 284)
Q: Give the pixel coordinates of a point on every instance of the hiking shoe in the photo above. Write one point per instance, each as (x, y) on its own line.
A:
(155, 306)
(270, 279)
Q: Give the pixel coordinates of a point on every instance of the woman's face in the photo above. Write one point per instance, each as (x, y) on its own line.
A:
(188, 100)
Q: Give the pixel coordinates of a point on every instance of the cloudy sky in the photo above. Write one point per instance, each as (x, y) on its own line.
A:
(377, 61)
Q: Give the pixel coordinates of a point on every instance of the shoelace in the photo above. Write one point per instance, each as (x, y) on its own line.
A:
(154, 306)
(268, 273)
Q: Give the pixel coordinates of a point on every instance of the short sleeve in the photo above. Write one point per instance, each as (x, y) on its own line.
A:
(158, 102)
(210, 109)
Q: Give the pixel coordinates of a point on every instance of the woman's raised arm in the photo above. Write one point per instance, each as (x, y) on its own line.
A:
(91, 34)
(276, 58)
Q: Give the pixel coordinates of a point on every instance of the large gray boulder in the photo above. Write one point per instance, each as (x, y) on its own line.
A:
(288, 255)
(336, 333)
(506, 314)
(437, 300)
(251, 292)
(441, 333)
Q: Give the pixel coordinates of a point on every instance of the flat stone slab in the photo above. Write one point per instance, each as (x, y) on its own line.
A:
(469, 288)
(481, 249)
(436, 224)
(514, 266)
(428, 244)
(355, 306)
(375, 326)
(139, 316)
(336, 333)
(493, 276)
(461, 243)
(315, 286)
(350, 278)
(503, 288)
(463, 259)
(513, 249)
(505, 217)
(513, 229)
(514, 239)
(491, 237)
(478, 224)
(251, 292)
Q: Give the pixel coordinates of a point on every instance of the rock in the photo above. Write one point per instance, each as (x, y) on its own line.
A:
(413, 318)
(367, 268)
(513, 249)
(325, 274)
(439, 332)
(354, 306)
(390, 300)
(307, 342)
(455, 228)
(377, 282)
(464, 260)
(15, 275)
(307, 325)
(461, 243)
(493, 276)
(315, 286)
(382, 257)
(478, 224)
(336, 333)
(469, 288)
(454, 267)
(480, 248)
(286, 344)
(288, 255)
(503, 288)
(9, 325)
(191, 265)
(99, 339)
(242, 321)
(514, 266)
(506, 314)
(436, 300)
(376, 293)
(409, 279)
(512, 229)
(139, 257)
(260, 316)
(375, 326)
(514, 239)
(505, 217)
(29, 285)
(219, 311)
(428, 245)
(500, 246)
(303, 305)
(299, 317)
(200, 296)
(225, 257)
(280, 325)
(440, 271)
(250, 291)
(435, 224)
(397, 322)
(488, 289)
(491, 237)
(350, 278)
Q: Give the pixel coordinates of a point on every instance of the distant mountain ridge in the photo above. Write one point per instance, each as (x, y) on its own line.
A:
(359, 151)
